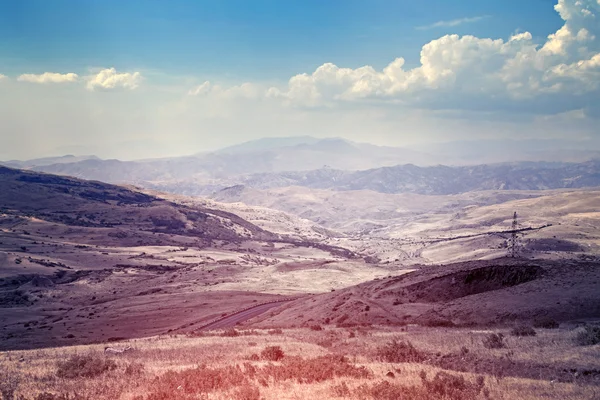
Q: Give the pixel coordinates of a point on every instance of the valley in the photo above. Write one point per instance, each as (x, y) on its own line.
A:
(85, 264)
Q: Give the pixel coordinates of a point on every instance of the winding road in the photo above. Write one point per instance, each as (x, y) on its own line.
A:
(232, 320)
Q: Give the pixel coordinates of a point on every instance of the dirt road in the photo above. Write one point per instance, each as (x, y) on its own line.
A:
(232, 320)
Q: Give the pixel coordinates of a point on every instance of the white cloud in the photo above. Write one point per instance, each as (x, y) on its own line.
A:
(453, 22)
(204, 88)
(245, 90)
(462, 72)
(3, 77)
(109, 79)
(464, 88)
(49, 77)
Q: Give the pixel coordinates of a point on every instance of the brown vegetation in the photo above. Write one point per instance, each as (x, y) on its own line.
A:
(376, 363)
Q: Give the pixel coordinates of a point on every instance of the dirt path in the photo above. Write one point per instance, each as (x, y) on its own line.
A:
(232, 320)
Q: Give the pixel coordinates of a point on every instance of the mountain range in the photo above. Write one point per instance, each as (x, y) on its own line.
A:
(339, 164)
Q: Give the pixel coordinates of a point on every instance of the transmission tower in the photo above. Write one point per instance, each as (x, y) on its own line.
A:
(513, 242)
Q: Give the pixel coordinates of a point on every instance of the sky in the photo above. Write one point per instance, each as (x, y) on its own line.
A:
(148, 78)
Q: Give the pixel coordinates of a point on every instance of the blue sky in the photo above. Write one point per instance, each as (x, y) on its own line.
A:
(245, 39)
(148, 78)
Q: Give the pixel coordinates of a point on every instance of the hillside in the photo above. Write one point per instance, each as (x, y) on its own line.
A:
(424, 229)
(83, 261)
(477, 293)
(45, 199)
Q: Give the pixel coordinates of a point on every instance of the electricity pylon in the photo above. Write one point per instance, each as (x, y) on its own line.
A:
(513, 242)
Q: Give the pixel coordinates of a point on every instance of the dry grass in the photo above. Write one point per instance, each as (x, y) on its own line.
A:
(305, 363)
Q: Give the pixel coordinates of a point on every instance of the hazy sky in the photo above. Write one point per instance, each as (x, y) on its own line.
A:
(146, 78)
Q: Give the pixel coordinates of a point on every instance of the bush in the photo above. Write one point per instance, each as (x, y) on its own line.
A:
(203, 380)
(247, 392)
(523, 330)
(272, 353)
(277, 331)
(494, 341)
(313, 370)
(443, 386)
(589, 336)
(452, 387)
(62, 396)
(86, 366)
(316, 328)
(545, 323)
(437, 321)
(341, 390)
(231, 332)
(195, 381)
(134, 369)
(399, 351)
(385, 390)
(9, 382)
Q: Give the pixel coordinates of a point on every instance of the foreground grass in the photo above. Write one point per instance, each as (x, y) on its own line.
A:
(353, 363)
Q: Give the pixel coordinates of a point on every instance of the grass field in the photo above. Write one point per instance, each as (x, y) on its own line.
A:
(407, 362)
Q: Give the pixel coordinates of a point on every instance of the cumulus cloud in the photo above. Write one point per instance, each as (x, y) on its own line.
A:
(3, 77)
(453, 22)
(48, 77)
(108, 79)
(455, 70)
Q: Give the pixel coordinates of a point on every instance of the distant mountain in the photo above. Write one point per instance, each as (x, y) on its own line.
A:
(268, 144)
(437, 180)
(263, 156)
(445, 180)
(341, 164)
(39, 162)
(472, 152)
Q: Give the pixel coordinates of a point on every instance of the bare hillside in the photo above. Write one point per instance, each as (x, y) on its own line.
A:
(484, 293)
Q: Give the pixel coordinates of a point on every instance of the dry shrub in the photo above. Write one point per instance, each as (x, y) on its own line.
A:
(494, 341)
(443, 386)
(62, 396)
(277, 331)
(436, 321)
(179, 384)
(589, 336)
(452, 387)
(247, 392)
(341, 390)
(187, 384)
(545, 323)
(231, 332)
(313, 370)
(134, 369)
(385, 390)
(327, 342)
(316, 328)
(399, 351)
(9, 382)
(272, 353)
(523, 330)
(84, 366)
